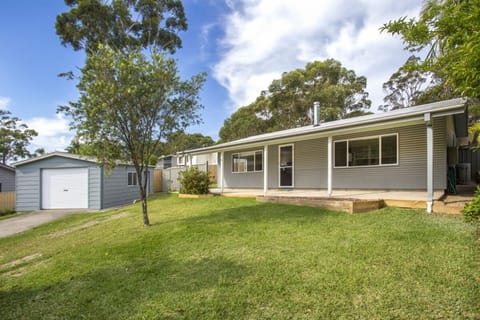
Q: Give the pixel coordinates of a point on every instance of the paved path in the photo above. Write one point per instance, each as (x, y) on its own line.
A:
(30, 220)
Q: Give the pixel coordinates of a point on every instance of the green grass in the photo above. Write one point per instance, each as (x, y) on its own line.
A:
(226, 258)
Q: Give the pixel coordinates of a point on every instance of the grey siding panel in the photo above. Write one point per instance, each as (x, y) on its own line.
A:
(7, 180)
(411, 173)
(241, 180)
(311, 163)
(273, 171)
(116, 191)
(28, 179)
(94, 188)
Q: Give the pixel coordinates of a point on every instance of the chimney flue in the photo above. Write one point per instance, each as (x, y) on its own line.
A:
(316, 113)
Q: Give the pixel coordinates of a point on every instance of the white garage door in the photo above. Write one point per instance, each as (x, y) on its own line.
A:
(65, 188)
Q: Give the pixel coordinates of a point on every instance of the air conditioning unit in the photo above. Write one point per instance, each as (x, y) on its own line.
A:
(464, 172)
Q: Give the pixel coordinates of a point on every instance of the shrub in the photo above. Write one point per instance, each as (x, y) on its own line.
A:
(471, 212)
(194, 181)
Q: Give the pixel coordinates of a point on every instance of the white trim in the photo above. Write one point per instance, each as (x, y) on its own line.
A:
(330, 165)
(222, 168)
(265, 169)
(380, 164)
(292, 166)
(429, 167)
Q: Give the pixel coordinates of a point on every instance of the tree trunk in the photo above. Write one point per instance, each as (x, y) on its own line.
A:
(146, 221)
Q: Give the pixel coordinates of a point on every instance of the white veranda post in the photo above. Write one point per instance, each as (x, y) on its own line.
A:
(265, 170)
(330, 166)
(428, 121)
(222, 165)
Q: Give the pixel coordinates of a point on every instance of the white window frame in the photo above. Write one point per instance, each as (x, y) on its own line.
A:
(292, 166)
(181, 160)
(253, 152)
(128, 180)
(379, 151)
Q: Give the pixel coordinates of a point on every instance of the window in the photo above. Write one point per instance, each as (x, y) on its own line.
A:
(371, 151)
(181, 160)
(132, 178)
(247, 161)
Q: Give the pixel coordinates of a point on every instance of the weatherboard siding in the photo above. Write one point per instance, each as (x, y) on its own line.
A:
(310, 163)
(116, 190)
(410, 173)
(7, 180)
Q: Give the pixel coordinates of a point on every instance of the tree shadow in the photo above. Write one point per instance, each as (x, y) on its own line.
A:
(121, 291)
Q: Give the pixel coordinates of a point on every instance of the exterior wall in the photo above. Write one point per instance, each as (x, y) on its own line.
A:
(411, 173)
(243, 179)
(116, 190)
(7, 180)
(310, 163)
(28, 181)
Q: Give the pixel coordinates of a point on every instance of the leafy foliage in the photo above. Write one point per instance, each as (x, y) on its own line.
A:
(180, 141)
(288, 101)
(450, 31)
(194, 181)
(128, 103)
(122, 24)
(471, 212)
(14, 138)
(405, 85)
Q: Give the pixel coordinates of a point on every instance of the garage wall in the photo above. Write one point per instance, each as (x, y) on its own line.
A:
(28, 181)
(7, 179)
(116, 190)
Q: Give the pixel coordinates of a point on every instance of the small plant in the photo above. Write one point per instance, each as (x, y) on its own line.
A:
(194, 181)
(471, 212)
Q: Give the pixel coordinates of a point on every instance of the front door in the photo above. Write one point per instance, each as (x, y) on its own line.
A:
(286, 165)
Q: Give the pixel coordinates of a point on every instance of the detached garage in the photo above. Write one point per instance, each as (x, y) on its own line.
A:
(62, 180)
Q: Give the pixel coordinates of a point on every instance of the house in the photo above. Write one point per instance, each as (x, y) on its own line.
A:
(185, 159)
(405, 149)
(61, 180)
(168, 161)
(7, 178)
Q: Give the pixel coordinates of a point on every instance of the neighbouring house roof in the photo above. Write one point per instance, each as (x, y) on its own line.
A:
(7, 167)
(406, 115)
(64, 155)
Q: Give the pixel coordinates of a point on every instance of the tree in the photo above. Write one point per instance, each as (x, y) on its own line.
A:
(405, 85)
(242, 123)
(122, 24)
(128, 103)
(180, 141)
(450, 31)
(14, 137)
(288, 101)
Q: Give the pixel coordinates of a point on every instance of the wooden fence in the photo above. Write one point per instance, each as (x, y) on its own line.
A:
(7, 201)
(157, 180)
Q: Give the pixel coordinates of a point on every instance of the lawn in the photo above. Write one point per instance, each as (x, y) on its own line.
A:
(226, 258)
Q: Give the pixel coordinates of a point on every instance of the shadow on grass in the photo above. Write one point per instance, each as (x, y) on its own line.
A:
(118, 292)
(257, 212)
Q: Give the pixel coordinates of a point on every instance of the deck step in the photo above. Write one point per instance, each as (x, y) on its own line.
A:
(346, 205)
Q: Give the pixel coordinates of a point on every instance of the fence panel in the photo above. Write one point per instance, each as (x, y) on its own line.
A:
(170, 181)
(157, 180)
(7, 200)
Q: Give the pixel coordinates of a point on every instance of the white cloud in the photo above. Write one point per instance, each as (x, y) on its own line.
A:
(53, 133)
(267, 37)
(4, 102)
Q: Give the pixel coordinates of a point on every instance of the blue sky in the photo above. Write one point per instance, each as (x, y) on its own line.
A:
(243, 45)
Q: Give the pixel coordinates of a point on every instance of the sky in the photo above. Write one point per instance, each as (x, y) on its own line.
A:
(242, 45)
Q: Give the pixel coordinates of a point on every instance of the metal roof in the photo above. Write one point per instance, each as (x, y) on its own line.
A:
(445, 107)
(4, 166)
(58, 154)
